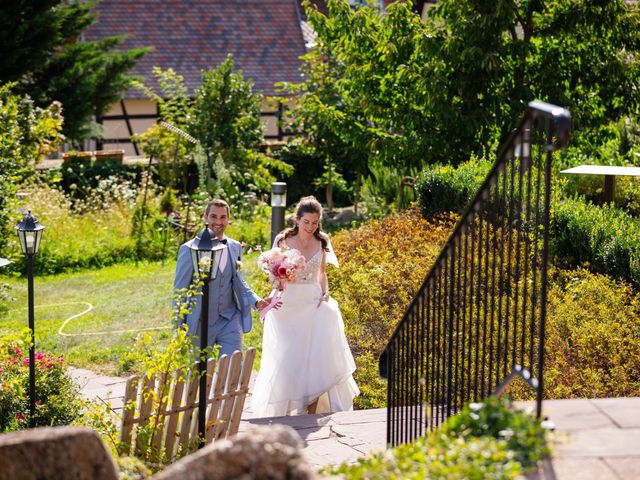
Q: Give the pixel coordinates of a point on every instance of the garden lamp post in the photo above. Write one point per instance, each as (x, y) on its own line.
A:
(205, 255)
(30, 233)
(278, 205)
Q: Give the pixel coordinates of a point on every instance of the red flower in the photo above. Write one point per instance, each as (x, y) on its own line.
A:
(20, 416)
(282, 271)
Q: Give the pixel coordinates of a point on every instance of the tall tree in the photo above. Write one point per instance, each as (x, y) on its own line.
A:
(40, 49)
(26, 133)
(497, 55)
(411, 93)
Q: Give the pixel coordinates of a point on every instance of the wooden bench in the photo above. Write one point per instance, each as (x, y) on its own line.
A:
(160, 414)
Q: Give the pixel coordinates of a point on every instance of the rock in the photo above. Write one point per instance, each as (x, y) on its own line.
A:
(55, 453)
(267, 452)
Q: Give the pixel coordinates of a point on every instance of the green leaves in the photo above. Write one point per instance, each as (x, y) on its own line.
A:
(486, 440)
(26, 133)
(413, 93)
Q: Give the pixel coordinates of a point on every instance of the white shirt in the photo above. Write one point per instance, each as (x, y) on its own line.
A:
(224, 258)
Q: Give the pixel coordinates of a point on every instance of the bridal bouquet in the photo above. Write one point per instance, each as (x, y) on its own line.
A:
(282, 265)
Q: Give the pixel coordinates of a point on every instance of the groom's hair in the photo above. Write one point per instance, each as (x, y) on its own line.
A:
(217, 202)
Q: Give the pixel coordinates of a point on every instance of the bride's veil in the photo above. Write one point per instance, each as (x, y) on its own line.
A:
(331, 254)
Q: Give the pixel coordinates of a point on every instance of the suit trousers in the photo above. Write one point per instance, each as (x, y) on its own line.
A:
(224, 332)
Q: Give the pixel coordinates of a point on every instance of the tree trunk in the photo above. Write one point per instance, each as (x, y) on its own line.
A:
(329, 192)
(356, 194)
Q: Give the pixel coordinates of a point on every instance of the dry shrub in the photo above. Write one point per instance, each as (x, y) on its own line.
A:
(593, 321)
(593, 337)
(383, 264)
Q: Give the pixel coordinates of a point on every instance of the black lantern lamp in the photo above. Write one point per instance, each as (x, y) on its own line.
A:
(278, 206)
(206, 252)
(30, 233)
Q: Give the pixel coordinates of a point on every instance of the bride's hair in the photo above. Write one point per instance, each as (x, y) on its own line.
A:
(307, 205)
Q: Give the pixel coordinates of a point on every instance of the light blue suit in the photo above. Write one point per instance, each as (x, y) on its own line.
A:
(230, 300)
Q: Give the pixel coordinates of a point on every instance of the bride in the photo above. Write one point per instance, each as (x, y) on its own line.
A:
(306, 364)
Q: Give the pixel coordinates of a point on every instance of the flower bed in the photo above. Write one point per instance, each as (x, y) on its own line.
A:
(57, 400)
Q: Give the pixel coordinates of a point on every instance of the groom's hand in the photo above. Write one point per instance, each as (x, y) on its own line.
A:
(260, 304)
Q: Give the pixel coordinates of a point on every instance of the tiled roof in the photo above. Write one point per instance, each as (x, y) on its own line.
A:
(264, 37)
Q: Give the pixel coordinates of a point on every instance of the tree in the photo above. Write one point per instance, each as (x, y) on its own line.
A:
(26, 133)
(392, 89)
(223, 115)
(226, 113)
(226, 122)
(40, 50)
(495, 56)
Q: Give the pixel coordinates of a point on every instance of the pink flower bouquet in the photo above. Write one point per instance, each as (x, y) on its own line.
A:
(282, 265)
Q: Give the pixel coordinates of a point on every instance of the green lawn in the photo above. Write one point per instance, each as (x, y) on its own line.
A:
(119, 302)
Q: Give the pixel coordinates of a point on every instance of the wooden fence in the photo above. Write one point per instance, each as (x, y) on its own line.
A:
(160, 413)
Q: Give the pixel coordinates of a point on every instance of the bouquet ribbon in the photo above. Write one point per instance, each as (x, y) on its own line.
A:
(274, 300)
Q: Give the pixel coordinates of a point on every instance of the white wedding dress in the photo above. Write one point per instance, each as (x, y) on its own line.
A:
(305, 354)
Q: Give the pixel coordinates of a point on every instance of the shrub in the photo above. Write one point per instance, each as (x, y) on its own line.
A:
(383, 263)
(149, 357)
(593, 321)
(486, 440)
(450, 189)
(80, 180)
(593, 336)
(386, 190)
(606, 238)
(57, 400)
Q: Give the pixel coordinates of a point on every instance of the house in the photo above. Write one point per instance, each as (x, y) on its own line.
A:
(264, 36)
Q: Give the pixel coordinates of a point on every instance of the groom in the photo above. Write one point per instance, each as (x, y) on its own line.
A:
(230, 298)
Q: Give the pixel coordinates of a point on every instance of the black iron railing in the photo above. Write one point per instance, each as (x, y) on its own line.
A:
(481, 310)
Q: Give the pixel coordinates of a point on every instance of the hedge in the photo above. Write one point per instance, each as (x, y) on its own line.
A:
(606, 238)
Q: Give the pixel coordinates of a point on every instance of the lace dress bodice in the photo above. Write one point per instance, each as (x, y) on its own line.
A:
(311, 272)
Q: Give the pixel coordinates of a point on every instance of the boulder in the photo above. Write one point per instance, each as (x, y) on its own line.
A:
(55, 453)
(266, 452)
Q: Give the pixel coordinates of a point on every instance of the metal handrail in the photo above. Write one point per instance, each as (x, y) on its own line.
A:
(482, 307)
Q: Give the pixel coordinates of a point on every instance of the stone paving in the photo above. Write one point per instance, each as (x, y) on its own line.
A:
(593, 438)
(94, 386)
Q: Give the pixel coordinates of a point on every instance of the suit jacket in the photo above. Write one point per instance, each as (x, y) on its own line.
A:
(244, 297)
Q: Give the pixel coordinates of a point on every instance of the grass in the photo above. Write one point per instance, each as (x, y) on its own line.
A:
(126, 300)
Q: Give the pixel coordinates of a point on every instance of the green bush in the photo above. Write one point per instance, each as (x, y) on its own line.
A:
(386, 190)
(606, 238)
(450, 189)
(383, 263)
(486, 440)
(79, 180)
(26, 134)
(57, 395)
